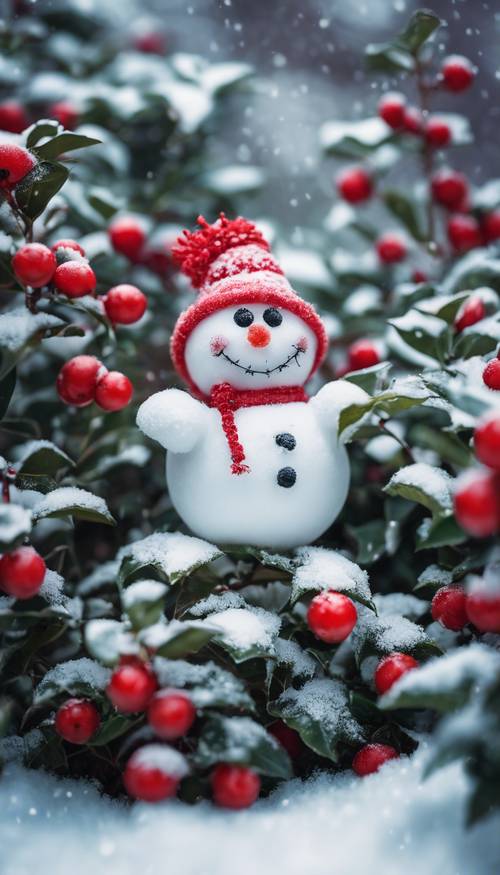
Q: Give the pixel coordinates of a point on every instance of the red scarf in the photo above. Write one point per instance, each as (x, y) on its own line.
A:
(227, 400)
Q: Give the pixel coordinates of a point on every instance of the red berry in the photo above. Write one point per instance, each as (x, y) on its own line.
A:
(234, 786)
(15, 163)
(331, 616)
(418, 276)
(125, 304)
(487, 441)
(150, 43)
(13, 117)
(153, 773)
(472, 311)
(457, 73)
(491, 374)
(391, 248)
(448, 607)
(362, 354)
(477, 503)
(65, 113)
(391, 109)
(413, 121)
(68, 244)
(355, 185)
(75, 279)
(171, 714)
(437, 132)
(371, 757)
(22, 572)
(449, 188)
(491, 226)
(131, 687)
(77, 721)
(483, 610)
(127, 236)
(391, 668)
(114, 391)
(77, 380)
(34, 265)
(464, 232)
(288, 738)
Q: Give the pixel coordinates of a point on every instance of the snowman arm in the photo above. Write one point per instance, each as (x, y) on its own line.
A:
(333, 398)
(174, 419)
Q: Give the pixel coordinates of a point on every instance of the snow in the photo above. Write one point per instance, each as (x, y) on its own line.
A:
(400, 603)
(208, 684)
(435, 574)
(322, 569)
(243, 628)
(215, 603)
(143, 591)
(475, 664)
(15, 521)
(391, 822)
(388, 633)
(18, 325)
(162, 757)
(75, 671)
(67, 497)
(299, 662)
(175, 554)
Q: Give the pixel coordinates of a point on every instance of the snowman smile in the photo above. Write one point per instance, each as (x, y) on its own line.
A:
(249, 369)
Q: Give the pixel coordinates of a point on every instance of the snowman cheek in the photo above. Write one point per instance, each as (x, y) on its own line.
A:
(218, 344)
(302, 343)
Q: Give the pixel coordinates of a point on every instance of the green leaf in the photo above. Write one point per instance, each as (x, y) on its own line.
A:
(70, 501)
(76, 677)
(106, 640)
(441, 532)
(143, 602)
(320, 713)
(389, 402)
(41, 129)
(421, 26)
(20, 330)
(177, 638)
(406, 211)
(425, 333)
(245, 633)
(353, 139)
(15, 525)
(114, 727)
(243, 741)
(370, 538)
(7, 386)
(39, 187)
(209, 685)
(42, 457)
(443, 306)
(484, 799)
(370, 379)
(388, 57)
(424, 484)
(67, 141)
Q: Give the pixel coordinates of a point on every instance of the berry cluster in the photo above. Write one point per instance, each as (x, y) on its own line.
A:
(84, 379)
(14, 117)
(127, 235)
(477, 493)
(454, 608)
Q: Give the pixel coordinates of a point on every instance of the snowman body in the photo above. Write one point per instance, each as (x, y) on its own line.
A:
(296, 485)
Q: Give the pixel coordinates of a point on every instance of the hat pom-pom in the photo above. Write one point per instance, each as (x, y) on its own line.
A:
(195, 251)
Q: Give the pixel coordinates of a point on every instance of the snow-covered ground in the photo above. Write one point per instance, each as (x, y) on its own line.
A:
(390, 823)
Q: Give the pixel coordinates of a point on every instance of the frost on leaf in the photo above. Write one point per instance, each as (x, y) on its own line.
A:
(424, 484)
(445, 683)
(379, 636)
(321, 569)
(243, 741)
(78, 677)
(320, 713)
(71, 501)
(170, 554)
(246, 632)
(291, 655)
(209, 685)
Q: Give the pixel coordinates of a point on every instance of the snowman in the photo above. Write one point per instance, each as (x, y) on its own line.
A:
(251, 459)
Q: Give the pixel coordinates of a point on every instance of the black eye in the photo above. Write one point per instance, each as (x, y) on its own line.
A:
(273, 317)
(243, 317)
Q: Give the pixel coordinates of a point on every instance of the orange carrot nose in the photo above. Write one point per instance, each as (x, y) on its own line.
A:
(259, 335)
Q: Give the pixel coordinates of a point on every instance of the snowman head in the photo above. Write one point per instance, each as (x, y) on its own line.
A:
(247, 327)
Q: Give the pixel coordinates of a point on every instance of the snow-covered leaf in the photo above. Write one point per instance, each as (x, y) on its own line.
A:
(446, 683)
(245, 633)
(218, 78)
(209, 685)
(379, 636)
(172, 555)
(42, 457)
(143, 602)
(389, 402)
(15, 524)
(369, 379)
(321, 569)
(242, 741)
(233, 179)
(424, 484)
(425, 333)
(71, 501)
(20, 329)
(320, 713)
(78, 677)
(353, 139)
(177, 638)
(107, 640)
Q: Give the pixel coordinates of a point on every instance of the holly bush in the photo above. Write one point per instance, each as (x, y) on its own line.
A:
(127, 602)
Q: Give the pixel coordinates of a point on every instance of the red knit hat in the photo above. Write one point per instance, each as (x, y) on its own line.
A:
(231, 264)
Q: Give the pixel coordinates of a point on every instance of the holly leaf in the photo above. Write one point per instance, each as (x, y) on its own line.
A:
(171, 555)
(424, 484)
(177, 638)
(209, 685)
(320, 713)
(39, 187)
(143, 602)
(42, 458)
(71, 501)
(15, 525)
(242, 741)
(114, 727)
(406, 211)
(106, 640)
(66, 141)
